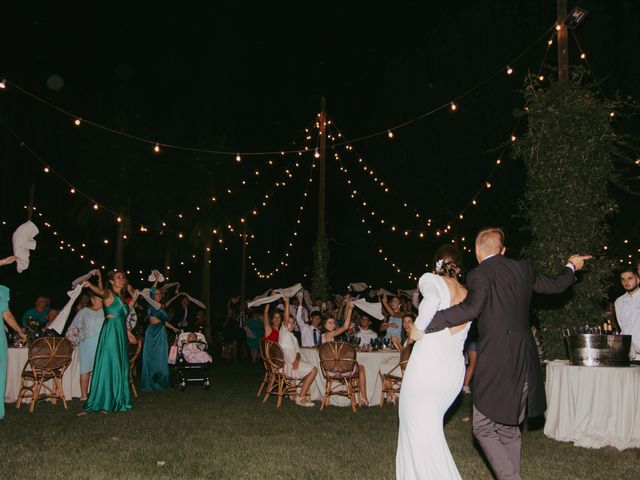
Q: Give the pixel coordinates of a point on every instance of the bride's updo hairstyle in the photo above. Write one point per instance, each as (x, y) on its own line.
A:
(448, 261)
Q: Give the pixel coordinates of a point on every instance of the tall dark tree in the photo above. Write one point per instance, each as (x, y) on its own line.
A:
(569, 152)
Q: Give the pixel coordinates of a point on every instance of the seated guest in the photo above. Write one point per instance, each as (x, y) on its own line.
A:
(331, 332)
(294, 367)
(272, 325)
(628, 307)
(405, 338)
(365, 334)
(51, 316)
(182, 316)
(310, 334)
(38, 311)
(393, 325)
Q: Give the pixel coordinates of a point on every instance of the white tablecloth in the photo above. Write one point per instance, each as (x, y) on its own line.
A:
(593, 406)
(17, 357)
(371, 361)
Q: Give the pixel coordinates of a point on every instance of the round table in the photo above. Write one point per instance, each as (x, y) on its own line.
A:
(593, 407)
(372, 363)
(16, 359)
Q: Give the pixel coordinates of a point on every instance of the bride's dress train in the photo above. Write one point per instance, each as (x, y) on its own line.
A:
(431, 382)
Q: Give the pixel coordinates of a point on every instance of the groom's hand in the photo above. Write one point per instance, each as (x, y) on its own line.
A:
(416, 334)
(578, 260)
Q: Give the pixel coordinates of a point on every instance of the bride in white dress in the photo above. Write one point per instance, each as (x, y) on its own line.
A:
(433, 378)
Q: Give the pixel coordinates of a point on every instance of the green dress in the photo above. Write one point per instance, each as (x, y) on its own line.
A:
(109, 391)
(155, 368)
(4, 305)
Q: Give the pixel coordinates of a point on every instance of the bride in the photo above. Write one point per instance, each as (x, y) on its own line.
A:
(433, 377)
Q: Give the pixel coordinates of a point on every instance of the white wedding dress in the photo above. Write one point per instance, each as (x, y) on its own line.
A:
(431, 382)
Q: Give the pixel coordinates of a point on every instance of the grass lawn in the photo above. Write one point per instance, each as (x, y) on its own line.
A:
(227, 433)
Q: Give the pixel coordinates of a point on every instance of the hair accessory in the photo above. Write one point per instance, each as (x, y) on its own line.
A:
(439, 264)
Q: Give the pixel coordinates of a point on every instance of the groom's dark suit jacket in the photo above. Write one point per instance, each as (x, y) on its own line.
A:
(499, 297)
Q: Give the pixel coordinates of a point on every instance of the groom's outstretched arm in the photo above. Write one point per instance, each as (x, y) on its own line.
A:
(465, 311)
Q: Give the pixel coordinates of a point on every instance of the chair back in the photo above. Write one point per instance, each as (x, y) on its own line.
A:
(275, 355)
(337, 357)
(405, 354)
(262, 344)
(134, 350)
(50, 353)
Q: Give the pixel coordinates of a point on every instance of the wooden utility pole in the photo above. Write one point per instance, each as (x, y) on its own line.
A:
(563, 42)
(243, 271)
(322, 165)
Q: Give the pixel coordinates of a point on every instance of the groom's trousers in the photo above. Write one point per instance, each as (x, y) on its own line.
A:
(501, 443)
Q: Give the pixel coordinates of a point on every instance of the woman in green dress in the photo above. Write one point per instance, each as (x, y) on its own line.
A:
(6, 316)
(109, 391)
(155, 368)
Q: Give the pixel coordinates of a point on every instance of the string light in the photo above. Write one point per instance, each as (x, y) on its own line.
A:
(3, 83)
(389, 133)
(156, 148)
(453, 107)
(509, 70)
(77, 122)
(238, 158)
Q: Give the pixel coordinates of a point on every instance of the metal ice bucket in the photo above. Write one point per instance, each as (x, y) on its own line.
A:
(595, 350)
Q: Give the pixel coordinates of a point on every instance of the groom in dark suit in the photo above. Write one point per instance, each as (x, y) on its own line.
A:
(507, 381)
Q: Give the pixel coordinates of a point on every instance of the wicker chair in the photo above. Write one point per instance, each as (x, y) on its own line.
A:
(279, 384)
(134, 354)
(268, 374)
(340, 369)
(391, 381)
(49, 357)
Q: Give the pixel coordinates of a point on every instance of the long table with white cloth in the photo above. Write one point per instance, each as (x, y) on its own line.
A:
(16, 359)
(593, 407)
(372, 362)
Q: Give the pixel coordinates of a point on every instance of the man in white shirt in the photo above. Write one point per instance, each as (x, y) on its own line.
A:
(628, 307)
(309, 332)
(365, 334)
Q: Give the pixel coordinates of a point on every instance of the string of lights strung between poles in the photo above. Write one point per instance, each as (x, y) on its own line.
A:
(157, 146)
(283, 260)
(445, 228)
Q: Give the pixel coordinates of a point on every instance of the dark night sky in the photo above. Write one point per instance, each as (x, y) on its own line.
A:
(241, 77)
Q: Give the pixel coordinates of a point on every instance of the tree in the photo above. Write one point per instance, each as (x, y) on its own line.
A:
(569, 153)
(320, 279)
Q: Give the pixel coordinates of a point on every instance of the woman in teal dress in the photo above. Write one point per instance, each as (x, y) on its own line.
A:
(155, 368)
(6, 316)
(109, 391)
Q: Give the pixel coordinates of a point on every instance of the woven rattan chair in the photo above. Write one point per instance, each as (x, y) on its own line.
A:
(391, 381)
(340, 369)
(268, 373)
(49, 357)
(279, 384)
(134, 354)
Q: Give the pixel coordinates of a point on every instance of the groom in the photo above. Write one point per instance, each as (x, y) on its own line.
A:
(507, 380)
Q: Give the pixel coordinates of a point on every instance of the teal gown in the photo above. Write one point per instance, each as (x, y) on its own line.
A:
(109, 390)
(4, 306)
(155, 368)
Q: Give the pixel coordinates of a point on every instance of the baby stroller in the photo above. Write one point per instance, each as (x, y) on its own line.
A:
(192, 373)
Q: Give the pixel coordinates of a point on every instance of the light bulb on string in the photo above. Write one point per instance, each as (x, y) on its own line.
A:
(72, 190)
(583, 56)
(541, 78)
(156, 148)
(77, 122)
(509, 70)
(95, 206)
(453, 106)
(238, 158)
(316, 154)
(46, 169)
(3, 83)
(389, 133)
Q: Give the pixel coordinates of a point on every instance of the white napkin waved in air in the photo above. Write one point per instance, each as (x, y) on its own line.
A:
(373, 309)
(275, 295)
(23, 241)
